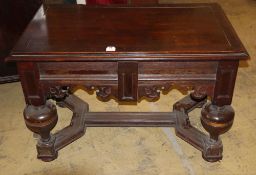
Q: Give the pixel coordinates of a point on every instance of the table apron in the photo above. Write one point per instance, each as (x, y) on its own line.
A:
(130, 80)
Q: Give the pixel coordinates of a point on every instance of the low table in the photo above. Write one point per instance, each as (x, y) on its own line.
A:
(129, 54)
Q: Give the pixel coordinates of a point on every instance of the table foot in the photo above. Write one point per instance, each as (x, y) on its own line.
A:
(212, 151)
(46, 151)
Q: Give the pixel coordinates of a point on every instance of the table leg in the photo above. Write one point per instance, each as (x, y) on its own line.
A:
(41, 120)
(217, 117)
(40, 115)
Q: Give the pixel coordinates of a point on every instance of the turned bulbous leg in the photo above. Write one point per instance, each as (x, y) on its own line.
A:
(216, 120)
(41, 120)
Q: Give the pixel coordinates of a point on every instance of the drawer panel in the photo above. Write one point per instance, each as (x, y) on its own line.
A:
(178, 67)
(77, 68)
(130, 80)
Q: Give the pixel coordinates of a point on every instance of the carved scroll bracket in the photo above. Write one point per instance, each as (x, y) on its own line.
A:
(103, 93)
(152, 93)
(198, 92)
(58, 93)
(145, 91)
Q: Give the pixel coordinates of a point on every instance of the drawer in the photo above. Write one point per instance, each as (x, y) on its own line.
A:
(78, 71)
(77, 68)
(128, 80)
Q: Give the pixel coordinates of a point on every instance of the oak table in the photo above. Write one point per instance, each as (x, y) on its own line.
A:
(129, 54)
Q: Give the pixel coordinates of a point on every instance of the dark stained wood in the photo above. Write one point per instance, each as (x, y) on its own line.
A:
(143, 2)
(226, 76)
(105, 2)
(168, 32)
(126, 2)
(129, 119)
(29, 75)
(128, 81)
(189, 47)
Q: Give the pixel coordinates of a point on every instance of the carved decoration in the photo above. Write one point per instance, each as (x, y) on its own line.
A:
(152, 92)
(104, 93)
(58, 92)
(200, 92)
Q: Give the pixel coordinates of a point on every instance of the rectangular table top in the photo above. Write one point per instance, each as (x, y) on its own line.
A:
(166, 32)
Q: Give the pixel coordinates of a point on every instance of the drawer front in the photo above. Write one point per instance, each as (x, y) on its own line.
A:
(176, 70)
(128, 80)
(87, 71)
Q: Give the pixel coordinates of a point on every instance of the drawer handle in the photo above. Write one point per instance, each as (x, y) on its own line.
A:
(110, 49)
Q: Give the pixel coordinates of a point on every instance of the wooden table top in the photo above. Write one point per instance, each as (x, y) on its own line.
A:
(166, 32)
